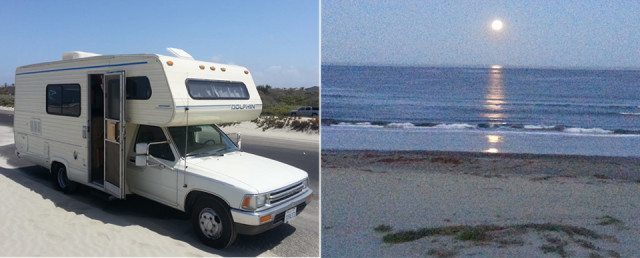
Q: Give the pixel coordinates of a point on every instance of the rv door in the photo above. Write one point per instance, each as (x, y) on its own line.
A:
(114, 138)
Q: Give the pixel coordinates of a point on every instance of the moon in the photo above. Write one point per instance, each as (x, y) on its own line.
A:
(497, 25)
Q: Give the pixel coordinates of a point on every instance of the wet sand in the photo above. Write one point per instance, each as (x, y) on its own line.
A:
(454, 203)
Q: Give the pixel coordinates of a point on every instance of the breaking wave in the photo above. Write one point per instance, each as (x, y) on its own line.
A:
(482, 126)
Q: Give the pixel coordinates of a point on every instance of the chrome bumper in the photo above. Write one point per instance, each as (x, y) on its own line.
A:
(252, 218)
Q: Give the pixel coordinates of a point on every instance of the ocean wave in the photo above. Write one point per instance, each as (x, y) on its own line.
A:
(400, 125)
(539, 127)
(577, 130)
(482, 126)
(359, 124)
(455, 126)
(630, 113)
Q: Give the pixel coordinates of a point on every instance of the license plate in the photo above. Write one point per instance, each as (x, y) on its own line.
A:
(289, 215)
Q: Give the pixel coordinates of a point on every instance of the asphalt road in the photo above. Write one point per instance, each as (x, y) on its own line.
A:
(299, 238)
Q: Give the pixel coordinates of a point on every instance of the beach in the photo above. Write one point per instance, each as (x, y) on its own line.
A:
(37, 220)
(417, 203)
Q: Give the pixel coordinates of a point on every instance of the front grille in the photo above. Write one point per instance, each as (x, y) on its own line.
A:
(280, 216)
(284, 194)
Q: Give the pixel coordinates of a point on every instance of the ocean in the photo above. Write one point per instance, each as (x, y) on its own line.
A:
(504, 110)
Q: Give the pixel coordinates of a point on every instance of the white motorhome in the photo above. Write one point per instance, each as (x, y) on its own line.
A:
(146, 125)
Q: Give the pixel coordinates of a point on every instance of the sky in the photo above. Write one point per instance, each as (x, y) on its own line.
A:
(278, 41)
(562, 34)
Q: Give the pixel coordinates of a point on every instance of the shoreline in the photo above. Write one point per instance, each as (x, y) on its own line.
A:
(481, 141)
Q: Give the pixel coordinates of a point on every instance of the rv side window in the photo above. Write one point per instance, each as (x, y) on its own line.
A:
(63, 99)
(149, 134)
(138, 87)
(204, 89)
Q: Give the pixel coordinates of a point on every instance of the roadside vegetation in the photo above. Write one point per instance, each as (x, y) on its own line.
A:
(278, 102)
(6, 95)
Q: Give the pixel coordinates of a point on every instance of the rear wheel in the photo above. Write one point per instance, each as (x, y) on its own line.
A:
(212, 223)
(60, 179)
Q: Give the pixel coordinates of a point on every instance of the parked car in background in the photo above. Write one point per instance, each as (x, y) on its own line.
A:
(305, 111)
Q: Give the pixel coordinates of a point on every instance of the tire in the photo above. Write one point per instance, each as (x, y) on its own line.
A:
(213, 224)
(60, 179)
(293, 114)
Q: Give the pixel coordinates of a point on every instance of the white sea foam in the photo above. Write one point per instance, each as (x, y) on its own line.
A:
(630, 113)
(360, 124)
(538, 127)
(400, 125)
(587, 130)
(454, 126)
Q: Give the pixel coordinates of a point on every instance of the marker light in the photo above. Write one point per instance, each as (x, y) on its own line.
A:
(223, 69)
(213, 68)
(246, 72)
(201, 67)
(265, 218)
(170, 63)
(246, 201)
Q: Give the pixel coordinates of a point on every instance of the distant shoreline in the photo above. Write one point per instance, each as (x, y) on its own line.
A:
(489, 67)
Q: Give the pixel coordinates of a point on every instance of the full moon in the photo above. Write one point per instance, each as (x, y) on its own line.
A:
(496, 25)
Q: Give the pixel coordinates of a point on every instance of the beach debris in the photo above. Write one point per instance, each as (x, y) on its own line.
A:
(609, 220)
(558, 237)
(446, 160)
(383, 228)
(442, 252)
(601, 176)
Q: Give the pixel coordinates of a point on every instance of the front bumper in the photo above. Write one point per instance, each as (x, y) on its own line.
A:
(248, 222)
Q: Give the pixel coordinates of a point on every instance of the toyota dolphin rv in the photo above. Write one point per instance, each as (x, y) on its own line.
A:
(146, 125)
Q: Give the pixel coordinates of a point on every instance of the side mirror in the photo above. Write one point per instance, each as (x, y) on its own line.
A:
(141, 160)
(142, 148)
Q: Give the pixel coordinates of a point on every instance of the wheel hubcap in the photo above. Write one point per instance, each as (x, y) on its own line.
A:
(61, 181)
(210, 223)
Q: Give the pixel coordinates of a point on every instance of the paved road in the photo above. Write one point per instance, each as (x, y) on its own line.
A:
(300, 238)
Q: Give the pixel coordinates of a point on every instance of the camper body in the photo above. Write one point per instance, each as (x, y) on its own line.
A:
(146, 125)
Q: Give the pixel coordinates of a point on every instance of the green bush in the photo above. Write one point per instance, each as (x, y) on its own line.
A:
(280, 101)
(6, 100)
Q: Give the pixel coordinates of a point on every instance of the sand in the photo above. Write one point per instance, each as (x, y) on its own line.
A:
(250, 129)
(414, 190)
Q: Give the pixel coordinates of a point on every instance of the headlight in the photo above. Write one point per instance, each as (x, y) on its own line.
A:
(306, 182)
(254, 201)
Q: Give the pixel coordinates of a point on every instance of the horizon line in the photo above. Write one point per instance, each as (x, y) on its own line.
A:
(485, 66)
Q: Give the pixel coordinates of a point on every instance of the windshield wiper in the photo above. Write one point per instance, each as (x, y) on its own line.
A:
(215, 153)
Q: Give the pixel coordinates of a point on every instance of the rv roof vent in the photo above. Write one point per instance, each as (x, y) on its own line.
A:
(179, 53)
(77, 54)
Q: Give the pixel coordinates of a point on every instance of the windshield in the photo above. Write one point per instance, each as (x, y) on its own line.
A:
(201, 140)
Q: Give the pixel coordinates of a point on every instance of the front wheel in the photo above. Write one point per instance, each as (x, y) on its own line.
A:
(213, 224)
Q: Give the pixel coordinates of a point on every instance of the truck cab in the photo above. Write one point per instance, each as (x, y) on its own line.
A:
(225, 191)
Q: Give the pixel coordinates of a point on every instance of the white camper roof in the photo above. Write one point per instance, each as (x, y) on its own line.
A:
(170, 103)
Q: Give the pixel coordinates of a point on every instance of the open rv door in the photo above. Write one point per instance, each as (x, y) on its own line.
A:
(114, 138)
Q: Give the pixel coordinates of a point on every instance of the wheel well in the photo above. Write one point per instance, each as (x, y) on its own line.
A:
(54, 166)
(194, 196)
